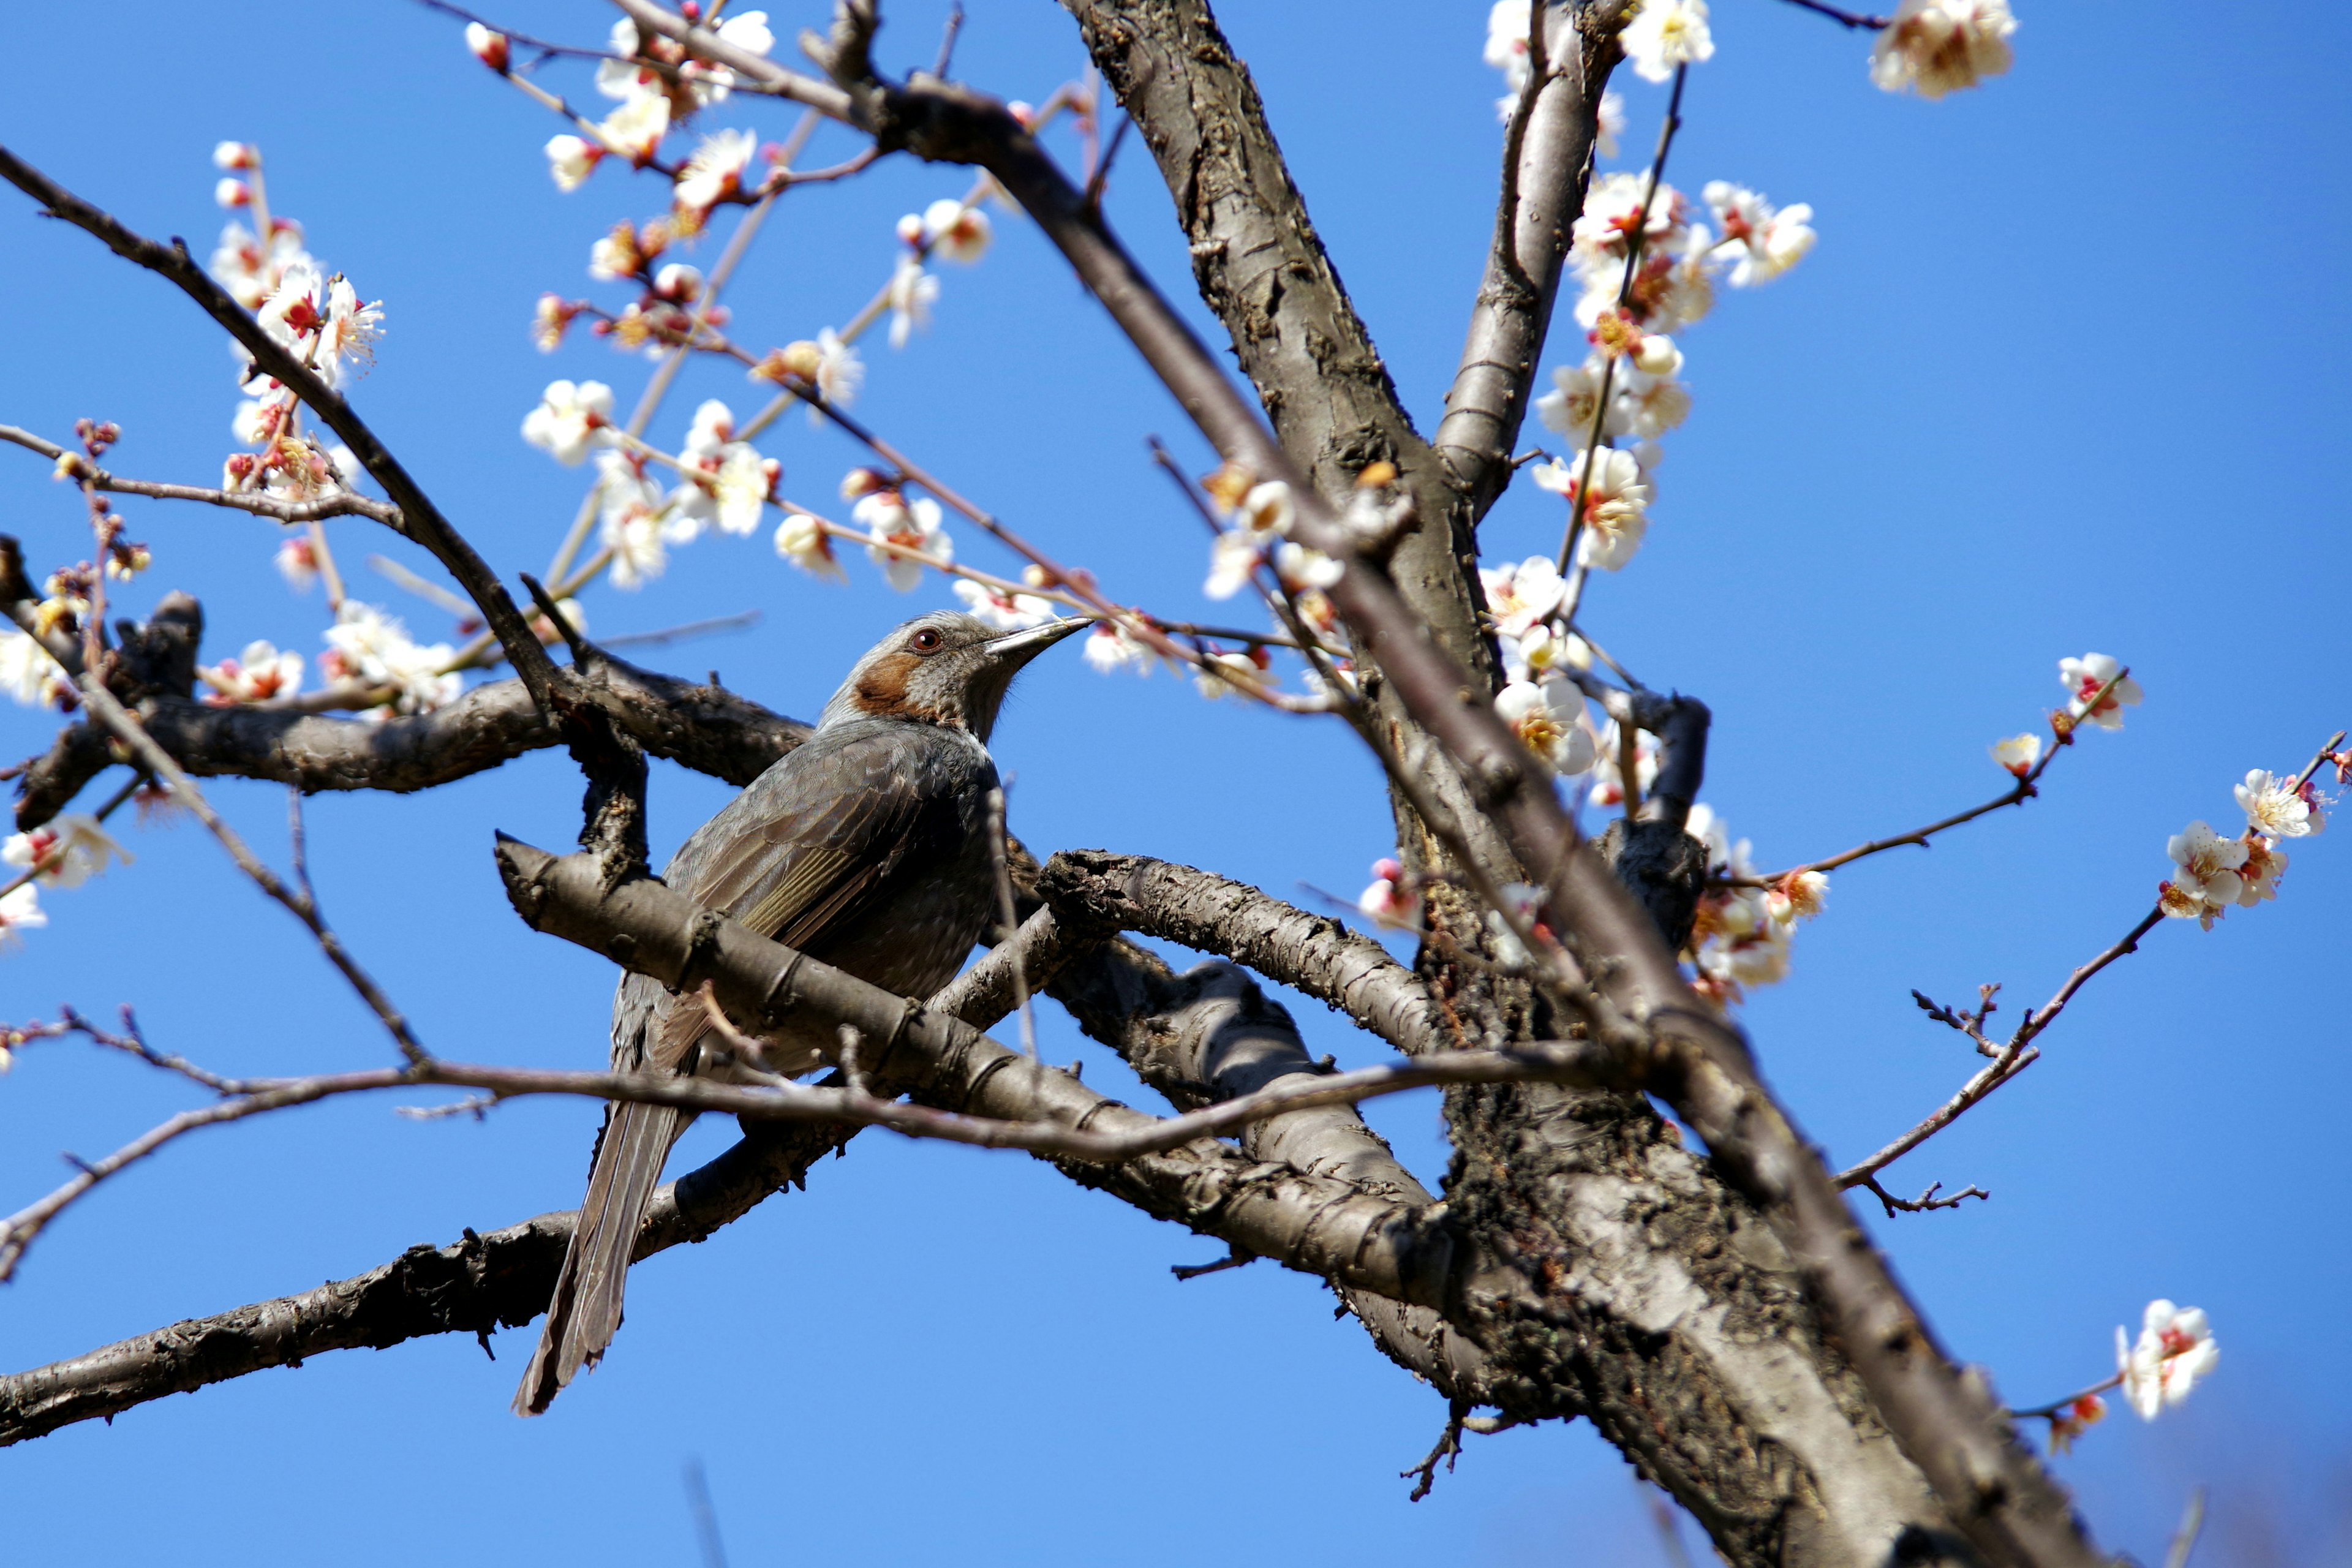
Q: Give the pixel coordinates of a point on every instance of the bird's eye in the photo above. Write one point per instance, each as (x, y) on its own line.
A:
(926, 641)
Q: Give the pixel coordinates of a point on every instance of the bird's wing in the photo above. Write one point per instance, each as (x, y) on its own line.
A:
(803, 850)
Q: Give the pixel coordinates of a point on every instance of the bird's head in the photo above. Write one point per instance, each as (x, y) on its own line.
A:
(945, 668)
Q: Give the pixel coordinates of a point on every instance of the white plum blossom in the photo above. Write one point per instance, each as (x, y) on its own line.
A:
(569, 419)
(236, 155)
(232, 194)
(1259, 522)
(347, 338)
(570, 160)
(637, 521)
(2087, 677)
(2207, 880)
(70, 849)
(1229, 674)
(1664, 34)
(616, 254)
(1614, 209)
(2278, 808)
(298, 562)
(2265, 863)
(624, 77)
(2018, 754)
(249, 270)
(1557, 735)
(635, 129)
(2174, 1350)
(366, 644)
(839, 372)
(889, 518)
(1521, 597)
(1615, 515)
(25, 667)
(1111, 647)
(1797, 896)
(1390, 902)
(912, 293)
(713, 428)
(627, 79)
(715, 171)
(801, 539)
(952, 229)
(20, 912)
(1002, 608)
(1302, 570)
(1760, 241)
(742, 486)
(257, 675)
(1543, 649)
(1935, 47)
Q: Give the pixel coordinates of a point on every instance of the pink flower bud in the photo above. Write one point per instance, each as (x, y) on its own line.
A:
(233, 193)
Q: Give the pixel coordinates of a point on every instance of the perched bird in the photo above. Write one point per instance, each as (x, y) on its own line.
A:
(869, 847)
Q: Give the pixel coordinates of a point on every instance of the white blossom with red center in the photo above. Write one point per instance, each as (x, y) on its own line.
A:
(257, 675)
(1759, 241)
(570, 160)
(2174, 1350)
(251, 270)
(2018, 754)
(1231, 674)
(1935, 47)
(2086, 678)
(634, 131)
(367, 646)
(801, 539)
(569, 420)
(953, 230)
(1111, 647)
(1615, 510)
(889, 518)
(69, 850)
(1521, 597)
(913, 292)
(2280, 807)
(2207, 879)
(715, 171)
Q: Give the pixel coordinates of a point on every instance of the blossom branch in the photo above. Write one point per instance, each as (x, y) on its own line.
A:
(2018, 794)
(420, 520)
(344, 504)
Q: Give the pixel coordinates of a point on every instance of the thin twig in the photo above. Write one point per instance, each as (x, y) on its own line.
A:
(1854, 19)
(2192, 1524)
(345, 504)
(1009, 919)
(1569, 566)
(300, 905)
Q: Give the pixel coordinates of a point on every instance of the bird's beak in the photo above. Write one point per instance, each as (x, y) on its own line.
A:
(1018, 648)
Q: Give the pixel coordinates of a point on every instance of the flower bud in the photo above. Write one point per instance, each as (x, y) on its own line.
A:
(489, 47)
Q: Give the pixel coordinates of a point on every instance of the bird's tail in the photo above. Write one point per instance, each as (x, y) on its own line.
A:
(586, 1310)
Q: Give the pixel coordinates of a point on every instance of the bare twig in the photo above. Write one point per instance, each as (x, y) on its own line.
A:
(299, 904)
(2192, 1524)
(345, 504)
(1854, 19)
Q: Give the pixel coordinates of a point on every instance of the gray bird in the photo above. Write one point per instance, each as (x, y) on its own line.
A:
(866, 847)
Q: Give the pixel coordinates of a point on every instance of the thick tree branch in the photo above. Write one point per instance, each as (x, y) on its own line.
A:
(704, 727)
(1548, 160)
(1316, 1224)
(1313, 953)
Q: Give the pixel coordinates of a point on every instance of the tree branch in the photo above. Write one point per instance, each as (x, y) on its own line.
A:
(419, 519)
(1320, 956)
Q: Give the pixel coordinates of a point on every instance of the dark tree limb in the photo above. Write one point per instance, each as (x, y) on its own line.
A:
(1313, 953)
(707, 728)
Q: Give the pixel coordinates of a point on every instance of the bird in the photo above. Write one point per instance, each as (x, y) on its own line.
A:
(868, 846)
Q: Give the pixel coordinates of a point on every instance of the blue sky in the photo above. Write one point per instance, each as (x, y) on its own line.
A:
(2057, 378)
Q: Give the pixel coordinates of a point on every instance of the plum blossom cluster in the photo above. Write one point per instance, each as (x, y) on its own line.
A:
(655, 88)
(1647, 262)
(315, 314)
(2211, 872)
(62, 853)
(1741, 937)
(2174, 1351)
(369, 648)
(1935, 47)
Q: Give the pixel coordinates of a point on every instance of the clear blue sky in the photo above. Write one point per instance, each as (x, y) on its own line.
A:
(2059, 377)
